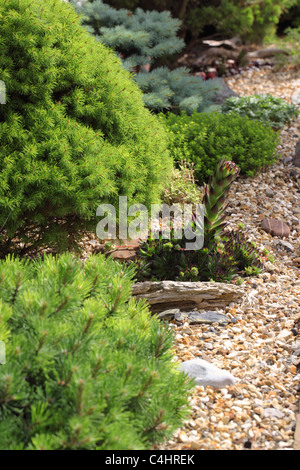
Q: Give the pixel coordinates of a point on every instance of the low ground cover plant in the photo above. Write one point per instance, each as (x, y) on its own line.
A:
(87, 367)
(266, 108)
(231, 258)
(207, 138)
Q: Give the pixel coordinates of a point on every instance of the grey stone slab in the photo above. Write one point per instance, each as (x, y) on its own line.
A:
(204, 317)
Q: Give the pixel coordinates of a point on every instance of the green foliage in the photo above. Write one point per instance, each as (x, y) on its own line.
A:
(74, 132)
(87, 367)
(253, 20)
(291, 16)
(141, 39)
(146, 4)
(224, 255)
(289, 44)
(181, 187)
(207, 138)
(230, 255)
(176, 90)
(266, 108)
(138, 37)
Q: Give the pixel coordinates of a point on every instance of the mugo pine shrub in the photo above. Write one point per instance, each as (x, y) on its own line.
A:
(74, 132)
(207, 138)
(87, 367)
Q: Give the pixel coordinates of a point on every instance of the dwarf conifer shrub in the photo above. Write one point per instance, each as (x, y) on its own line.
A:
(143, 39)
(74, 131)
(207, 138)
(87, 367)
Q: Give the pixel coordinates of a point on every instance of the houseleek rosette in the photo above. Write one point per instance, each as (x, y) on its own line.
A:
(215, 195)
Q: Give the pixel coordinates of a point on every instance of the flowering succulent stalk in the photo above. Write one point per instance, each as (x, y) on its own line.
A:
(214, 198)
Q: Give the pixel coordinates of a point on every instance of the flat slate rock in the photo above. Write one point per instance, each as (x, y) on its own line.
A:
(205, 317)
(187, 296)
(124, 254)
(223, 92)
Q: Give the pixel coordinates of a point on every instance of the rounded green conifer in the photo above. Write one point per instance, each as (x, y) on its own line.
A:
(74, 132)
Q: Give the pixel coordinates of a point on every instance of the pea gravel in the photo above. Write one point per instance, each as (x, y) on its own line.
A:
(260, 346)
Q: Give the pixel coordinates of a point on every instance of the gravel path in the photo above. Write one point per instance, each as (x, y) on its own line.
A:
(261, 345)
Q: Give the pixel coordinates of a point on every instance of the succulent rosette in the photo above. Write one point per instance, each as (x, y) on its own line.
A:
(215, 195)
